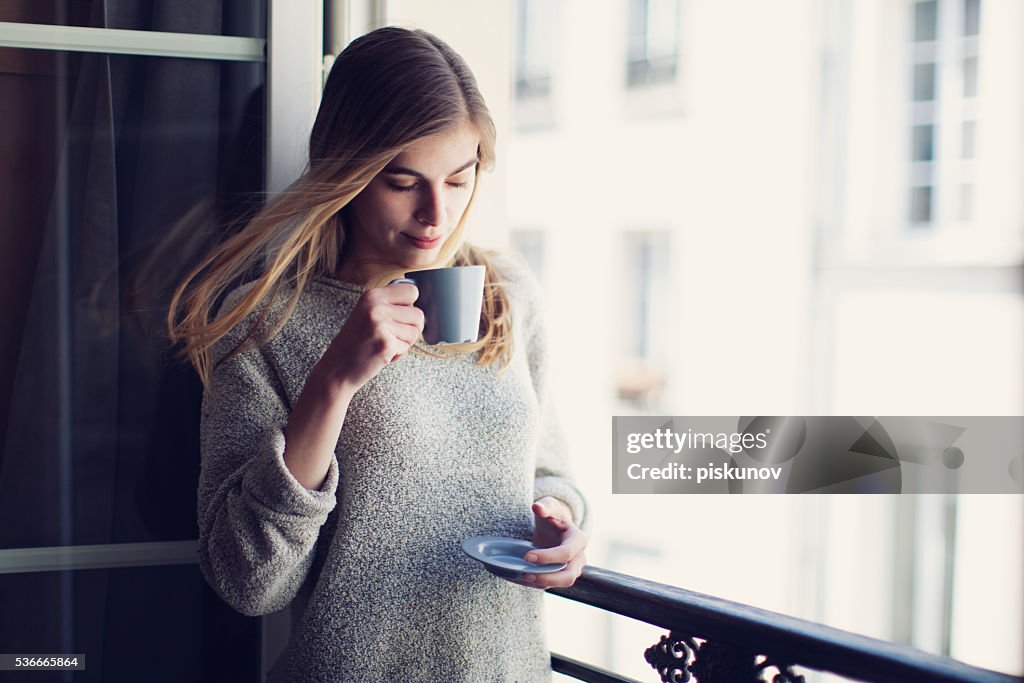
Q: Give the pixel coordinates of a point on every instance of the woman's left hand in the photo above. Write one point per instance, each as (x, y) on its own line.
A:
(562, 541)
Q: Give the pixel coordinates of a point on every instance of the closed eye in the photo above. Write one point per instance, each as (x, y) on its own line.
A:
(410, 188)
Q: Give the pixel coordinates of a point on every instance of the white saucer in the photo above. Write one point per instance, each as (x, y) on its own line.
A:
(504, 556)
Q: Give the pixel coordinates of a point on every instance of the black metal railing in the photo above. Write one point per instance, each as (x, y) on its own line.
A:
(712, 640)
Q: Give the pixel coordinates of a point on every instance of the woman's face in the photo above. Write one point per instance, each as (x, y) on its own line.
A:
(411, 207)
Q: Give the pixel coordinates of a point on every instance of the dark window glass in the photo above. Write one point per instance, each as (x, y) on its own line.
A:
(926, 21)
(151, 624)
(120, 171)
(923, 144)
(246, 18)
(924, 82)
(920, 205)
(972, 17)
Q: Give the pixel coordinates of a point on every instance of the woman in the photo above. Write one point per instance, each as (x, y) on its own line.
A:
(343, 462)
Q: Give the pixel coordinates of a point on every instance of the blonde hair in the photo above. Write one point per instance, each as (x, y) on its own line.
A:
(386, 90)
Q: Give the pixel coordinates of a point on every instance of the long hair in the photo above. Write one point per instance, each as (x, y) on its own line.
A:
(386, 90)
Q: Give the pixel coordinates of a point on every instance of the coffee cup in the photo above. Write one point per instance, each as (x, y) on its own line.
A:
(451, 300)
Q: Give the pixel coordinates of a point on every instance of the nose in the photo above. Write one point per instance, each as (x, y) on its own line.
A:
(431, 209)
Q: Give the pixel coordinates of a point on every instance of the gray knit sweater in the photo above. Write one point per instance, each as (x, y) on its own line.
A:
(433, 450)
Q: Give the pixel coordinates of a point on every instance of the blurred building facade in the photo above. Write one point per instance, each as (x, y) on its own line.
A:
(789, 208)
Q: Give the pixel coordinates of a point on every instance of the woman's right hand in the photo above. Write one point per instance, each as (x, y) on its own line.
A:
(381, 328)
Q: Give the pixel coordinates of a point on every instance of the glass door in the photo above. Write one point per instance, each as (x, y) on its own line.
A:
(133, 139)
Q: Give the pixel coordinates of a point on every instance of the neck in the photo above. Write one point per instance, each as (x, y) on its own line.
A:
(350, 273)
(367, 274)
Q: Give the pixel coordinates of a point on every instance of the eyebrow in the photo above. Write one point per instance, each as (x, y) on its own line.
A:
(402, 170)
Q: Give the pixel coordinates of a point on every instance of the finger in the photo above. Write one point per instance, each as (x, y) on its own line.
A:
(556, 512)
(405, 314)
(405, 334)
(573, 543)
(392, 347)
(557, 522)
(560, 579)
(400, 293)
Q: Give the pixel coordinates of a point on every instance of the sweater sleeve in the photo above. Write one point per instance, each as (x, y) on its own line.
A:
(553, 476)
(258, 526)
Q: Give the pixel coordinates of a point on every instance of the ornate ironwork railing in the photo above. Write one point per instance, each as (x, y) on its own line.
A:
(712, 640)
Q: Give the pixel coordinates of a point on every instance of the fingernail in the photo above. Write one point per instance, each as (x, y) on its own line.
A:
(531, 558)
(529, 578)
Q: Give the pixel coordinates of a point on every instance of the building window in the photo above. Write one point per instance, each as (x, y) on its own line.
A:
(924, 142)
(641, 334)
(967, 140)
(943, 93)
(926, 21)
(924, 82)
(653, 52)
(535, 40)
(972, 15)
(920, 205)
(970, 76)
(533, 78)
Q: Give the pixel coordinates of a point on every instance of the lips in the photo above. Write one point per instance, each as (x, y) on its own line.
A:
(423, 242)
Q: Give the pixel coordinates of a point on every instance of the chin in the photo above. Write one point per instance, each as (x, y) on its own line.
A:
(423, 259)
(423, 263)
